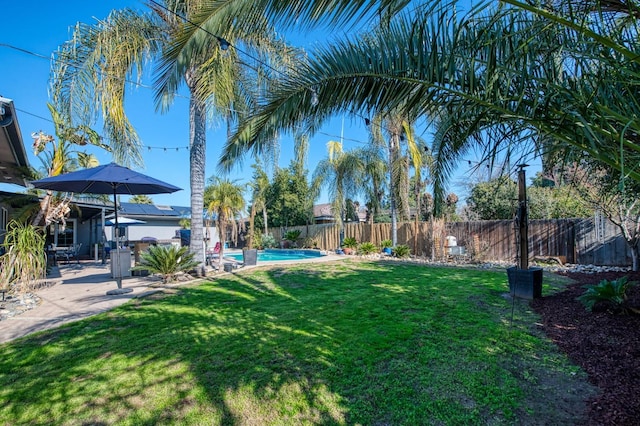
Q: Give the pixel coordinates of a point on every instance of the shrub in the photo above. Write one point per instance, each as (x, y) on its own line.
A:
(609, 295)
(24, 261)
(386, 244)
(350, 242)
(292, 235)
(310, 243)
(268, 241)
(367, 248)
(167, 261)
(401, 251)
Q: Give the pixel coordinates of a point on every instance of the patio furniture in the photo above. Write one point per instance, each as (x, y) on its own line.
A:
(72, 252)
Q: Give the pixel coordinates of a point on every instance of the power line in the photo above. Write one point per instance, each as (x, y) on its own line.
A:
(148, 147)
(56, 60)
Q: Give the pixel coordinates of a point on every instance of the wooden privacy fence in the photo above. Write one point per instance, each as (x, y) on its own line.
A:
(582, 241)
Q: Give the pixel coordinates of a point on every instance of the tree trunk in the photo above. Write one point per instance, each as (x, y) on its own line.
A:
(635, 254)
(44, 206)
(197, 151)
(222, 225)
(264, 217)
(393, 152)
(252, 217)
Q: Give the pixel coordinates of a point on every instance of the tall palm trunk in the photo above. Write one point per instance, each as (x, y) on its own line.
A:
(264, 217)
(197, 152)
(393, 154)
(252, 217)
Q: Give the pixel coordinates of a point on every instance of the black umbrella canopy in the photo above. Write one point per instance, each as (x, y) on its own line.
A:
(108, 179)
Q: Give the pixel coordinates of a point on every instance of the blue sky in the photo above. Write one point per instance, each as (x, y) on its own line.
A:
(39, 27)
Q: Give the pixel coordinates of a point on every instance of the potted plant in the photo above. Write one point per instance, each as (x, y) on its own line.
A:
(385, 245)
(349, 244)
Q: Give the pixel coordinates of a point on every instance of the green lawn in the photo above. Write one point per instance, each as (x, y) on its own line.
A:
(334, 343)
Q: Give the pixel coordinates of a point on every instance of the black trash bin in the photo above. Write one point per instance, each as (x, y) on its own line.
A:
(228, 267)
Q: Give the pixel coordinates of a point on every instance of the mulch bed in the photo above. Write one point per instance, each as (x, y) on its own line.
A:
(605, 345)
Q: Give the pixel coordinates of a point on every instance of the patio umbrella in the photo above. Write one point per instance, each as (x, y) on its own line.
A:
(122, 221)
(107, 179)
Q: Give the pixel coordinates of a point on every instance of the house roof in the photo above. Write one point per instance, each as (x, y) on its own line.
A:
(133, 209)
(13, 156)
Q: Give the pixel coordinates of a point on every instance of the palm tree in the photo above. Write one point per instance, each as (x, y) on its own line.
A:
(375, 170)
(486, 69)
(225, 201)
(93, 67)
(395, 132)
(141, 199)
(342, 173)
(60, 159)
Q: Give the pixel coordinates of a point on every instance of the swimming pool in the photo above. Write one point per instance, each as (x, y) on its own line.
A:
(280, 255)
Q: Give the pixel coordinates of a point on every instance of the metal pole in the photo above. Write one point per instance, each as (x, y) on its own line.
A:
(523, 228)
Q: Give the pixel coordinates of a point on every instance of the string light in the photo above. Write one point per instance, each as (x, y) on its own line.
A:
(149, 148)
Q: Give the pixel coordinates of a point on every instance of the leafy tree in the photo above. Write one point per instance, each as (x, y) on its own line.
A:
(618, 199)
(141, 199)
(495, 199)
(288, 198)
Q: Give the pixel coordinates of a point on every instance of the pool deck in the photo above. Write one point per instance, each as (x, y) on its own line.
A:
(79, 290)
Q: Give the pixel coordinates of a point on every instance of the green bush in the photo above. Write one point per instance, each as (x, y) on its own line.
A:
(167, 261)
(292, 235)
(386, 244)
(24, 261)
(367, 248)
(609, 295)
(401, 251)
(268, 241)
(350, 242)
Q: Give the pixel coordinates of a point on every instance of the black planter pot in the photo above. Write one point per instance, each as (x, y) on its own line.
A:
(250, 257)
(525, 283)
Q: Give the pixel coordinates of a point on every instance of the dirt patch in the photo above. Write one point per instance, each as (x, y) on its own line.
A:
(605, 345)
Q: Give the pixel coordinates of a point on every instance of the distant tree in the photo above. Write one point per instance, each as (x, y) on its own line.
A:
(618, 199)
(259, 186)
(495, 199)
(351, 211)
(225, 201)
(141, 199)
(288, 199)
(341, 175)
(450, 206)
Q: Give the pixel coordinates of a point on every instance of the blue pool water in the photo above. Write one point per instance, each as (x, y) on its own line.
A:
(280, 254)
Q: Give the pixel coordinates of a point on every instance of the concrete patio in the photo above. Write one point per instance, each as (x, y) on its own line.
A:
(77, 290)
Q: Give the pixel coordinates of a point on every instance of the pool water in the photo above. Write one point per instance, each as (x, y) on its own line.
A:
(279, 255)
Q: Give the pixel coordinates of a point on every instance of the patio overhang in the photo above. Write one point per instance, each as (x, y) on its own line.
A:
(13, 156)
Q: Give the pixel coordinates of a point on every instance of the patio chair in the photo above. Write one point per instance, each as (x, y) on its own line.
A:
(73, 252)
(213, 254)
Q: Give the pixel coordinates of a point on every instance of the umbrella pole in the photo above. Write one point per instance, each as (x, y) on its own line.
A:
(117, 262)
